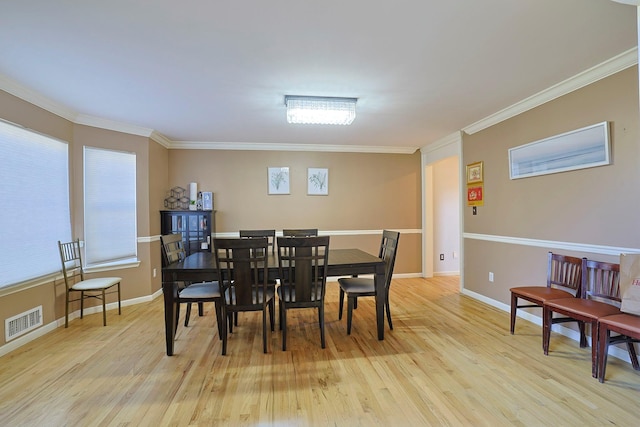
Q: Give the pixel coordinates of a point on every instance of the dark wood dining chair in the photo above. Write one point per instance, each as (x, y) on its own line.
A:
(75, 282)
(627, 326)
(356, 287)
(299, 232)
(302, 266)
(189, 293)
(599, 297)
(243, 272)
(564, 277)
(269, 234)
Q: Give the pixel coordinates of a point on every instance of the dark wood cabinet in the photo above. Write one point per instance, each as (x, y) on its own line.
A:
(196, 228)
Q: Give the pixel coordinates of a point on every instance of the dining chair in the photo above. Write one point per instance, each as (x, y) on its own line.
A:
(599, 297)
(243, 273)
(251, 234)
(564, 277)
(356, 287)
(188, 293)
(270, 234)
(300, 232)
(74, 281)
(627, 326)
(302, 266)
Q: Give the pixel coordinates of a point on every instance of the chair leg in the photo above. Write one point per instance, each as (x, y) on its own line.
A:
(264, 330)
(632, 355)
(187, 315)
(66, 310)
(200, 309)
(272, 307)
(514, 309)
(283, 326)
(104, 308)
(224, 330)
(388, 313)
(321, 318)
(119, 300)
(603, 350)
(341, 304)
(219, 318)
(594, 348)
(583, 335)
(177, 318)
(546, 329)
(81, 304)
(350, 304)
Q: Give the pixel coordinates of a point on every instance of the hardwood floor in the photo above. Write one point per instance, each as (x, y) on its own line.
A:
(450, 360)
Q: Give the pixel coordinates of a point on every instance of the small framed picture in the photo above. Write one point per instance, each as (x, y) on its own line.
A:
(475, 196)
(317, 181)
(278, 180)
(474, 173)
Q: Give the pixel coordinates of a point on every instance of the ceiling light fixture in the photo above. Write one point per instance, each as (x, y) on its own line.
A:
(320, 110)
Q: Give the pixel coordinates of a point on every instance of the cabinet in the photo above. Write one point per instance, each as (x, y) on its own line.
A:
(196, 228)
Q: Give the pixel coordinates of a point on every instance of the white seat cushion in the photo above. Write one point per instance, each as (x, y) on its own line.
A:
(99, 283)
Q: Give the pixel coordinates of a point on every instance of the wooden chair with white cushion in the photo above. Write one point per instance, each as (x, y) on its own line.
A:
(73, 272)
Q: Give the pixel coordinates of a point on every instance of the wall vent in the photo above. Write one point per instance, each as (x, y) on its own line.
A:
(22, 323)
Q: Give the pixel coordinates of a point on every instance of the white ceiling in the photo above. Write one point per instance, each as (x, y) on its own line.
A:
(217, 71)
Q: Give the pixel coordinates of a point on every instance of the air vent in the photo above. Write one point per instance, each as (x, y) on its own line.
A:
(22, 323)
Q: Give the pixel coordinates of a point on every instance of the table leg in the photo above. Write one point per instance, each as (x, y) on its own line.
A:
(170, 291)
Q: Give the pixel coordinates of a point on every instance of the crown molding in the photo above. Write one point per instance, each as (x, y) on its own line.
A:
(614, 65)
(16, 89)
(454, 138)
(253, 146)
(97, 122)
(161, 139)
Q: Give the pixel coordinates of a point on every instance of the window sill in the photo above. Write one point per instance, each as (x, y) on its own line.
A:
(118, 265)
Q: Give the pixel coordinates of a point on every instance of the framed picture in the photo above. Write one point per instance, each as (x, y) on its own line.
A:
(278, 180)
(587, 147)
(474, 173)
(317, 181)
(475, 195)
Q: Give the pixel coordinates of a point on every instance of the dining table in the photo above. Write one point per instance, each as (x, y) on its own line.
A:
(201, 267)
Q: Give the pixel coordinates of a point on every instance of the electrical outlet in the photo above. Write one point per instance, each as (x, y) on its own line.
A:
(441, 257)
(154, 272)
(491, 276)
(455, 254)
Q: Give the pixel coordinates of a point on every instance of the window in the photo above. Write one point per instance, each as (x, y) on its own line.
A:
(109, 206)
(34, 189)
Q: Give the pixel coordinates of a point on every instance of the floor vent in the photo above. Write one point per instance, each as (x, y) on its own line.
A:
(22, 323)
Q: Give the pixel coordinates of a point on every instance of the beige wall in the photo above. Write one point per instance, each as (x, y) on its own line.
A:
(137, 282)
(596, 207)
(366, 192)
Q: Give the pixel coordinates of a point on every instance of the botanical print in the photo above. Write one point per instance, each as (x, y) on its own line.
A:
(278, 180)
(318, 181)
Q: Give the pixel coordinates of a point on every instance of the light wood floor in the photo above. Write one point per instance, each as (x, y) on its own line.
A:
(449, 361)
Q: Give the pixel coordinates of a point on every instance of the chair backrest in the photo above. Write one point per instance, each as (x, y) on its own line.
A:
(601, 281)
(302, 263)
(300, 232)
(388, 250)
(71, 259)
(564, 272)
(269, 234)
(172, 248)
(242, 271)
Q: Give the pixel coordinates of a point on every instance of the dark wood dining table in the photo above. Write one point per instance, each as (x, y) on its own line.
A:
(200, 266)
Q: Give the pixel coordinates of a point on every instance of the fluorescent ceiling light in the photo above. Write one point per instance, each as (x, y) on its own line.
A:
(320, 110)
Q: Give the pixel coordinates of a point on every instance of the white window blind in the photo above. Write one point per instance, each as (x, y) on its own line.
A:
(34, 189)
(109, 206)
